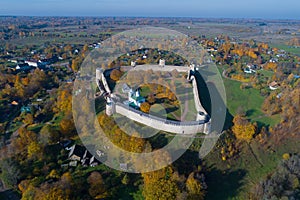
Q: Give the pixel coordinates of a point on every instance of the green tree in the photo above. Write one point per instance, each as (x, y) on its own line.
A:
(125, 179)
(49, 135)
(10, 173)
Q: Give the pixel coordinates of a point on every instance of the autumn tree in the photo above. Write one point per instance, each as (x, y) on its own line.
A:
(64, 99)
(19, 87)
(194, 187)
(115, 74)
(28, 119)
(56, 193)
(242, 128)
(252, 54)
(37, 81)
(66, 183)
(125, 179)
(145, 107)
(34, 150)
(76, 62)
(67, 126)
(120, 138)
(97, 187)
(160, 185)
(151, 98)
(25, 143)
(271, 66)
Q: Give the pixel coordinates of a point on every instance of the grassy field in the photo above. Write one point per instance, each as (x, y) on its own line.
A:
(249, 100)
(287, 48)
(266, 73)
(233, 179)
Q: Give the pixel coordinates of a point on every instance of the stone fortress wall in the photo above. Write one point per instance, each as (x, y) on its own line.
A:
(189, 127)
(201, 125)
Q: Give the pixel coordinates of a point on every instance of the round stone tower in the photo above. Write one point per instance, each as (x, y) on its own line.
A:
(133, 63)
(110, 107)
(99, 71)
(162, 62)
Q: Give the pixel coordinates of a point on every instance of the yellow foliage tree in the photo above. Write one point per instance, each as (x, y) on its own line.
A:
(158, 185)
(145, 107)
(243, 129)
(194, 188)
(271, 65)
(34, 150)
(252, 54)
(56, 193)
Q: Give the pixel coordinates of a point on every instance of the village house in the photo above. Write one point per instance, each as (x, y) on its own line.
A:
(273, 60)
(81, 154)
(15, 103)
(274, 85)
(22, 67)
(250, 69)
(32, 63)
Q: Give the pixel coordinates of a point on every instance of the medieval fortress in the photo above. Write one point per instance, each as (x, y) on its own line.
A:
(202, 124)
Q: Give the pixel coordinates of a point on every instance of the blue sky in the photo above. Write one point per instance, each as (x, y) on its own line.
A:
(287, 9)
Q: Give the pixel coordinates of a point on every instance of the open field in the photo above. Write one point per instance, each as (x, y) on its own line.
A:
(233, 179)
(287, 48)
(248, 100)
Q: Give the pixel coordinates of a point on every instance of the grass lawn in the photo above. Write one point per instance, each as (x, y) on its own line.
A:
(249, 100)
(266, 73)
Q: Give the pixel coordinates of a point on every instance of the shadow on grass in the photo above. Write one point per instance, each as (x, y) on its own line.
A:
(171, 109)
(9, 195)
(188, 162)
(228, 120)
(209, 94)
(250, 112)
(223, 185)
(158, 141)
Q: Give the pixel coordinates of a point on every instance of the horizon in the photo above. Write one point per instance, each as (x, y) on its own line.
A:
(231, 9)
(155, 17)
